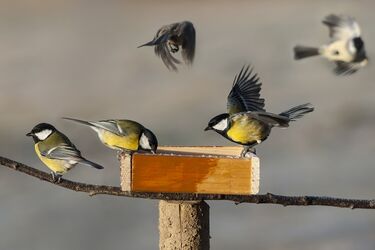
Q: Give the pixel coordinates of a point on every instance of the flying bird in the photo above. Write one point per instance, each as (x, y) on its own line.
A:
(122, 135)
(169, 39)
(247, 123)
(346, 49)
(56, 151)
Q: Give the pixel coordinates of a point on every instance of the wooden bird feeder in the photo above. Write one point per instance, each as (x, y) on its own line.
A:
(197, 170)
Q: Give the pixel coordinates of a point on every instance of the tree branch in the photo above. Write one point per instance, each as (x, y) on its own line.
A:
(258, 199)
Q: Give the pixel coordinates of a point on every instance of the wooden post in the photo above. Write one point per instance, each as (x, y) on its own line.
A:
(184, 225)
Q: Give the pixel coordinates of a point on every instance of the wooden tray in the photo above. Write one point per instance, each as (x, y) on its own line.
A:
(208, 170)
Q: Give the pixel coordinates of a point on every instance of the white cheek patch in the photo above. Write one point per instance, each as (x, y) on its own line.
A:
(352, 49)
(144, 142)
(42, 135)
(222, 125)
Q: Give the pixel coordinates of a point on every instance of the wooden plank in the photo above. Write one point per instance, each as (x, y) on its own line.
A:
(206, 150)
(191, 170)
(180, 169)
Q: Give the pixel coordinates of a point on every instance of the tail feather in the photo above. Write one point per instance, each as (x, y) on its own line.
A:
(156, 41)
(90, 163)
(298, 111)
(301, 52)
(79, 121)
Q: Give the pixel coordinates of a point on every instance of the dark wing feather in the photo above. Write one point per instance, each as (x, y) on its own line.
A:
(163, 52)
(187, 34)
(161, 48)
(344, 68)
(342, 27)
(245, 93)
(270, 118)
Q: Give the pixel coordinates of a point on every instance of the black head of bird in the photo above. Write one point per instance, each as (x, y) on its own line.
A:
(148, 141)
(169, 39)
(41, 132)
(219, 123)
(247, 123)
(346, 48)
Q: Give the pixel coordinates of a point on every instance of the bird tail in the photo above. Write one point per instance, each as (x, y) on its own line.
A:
(301, 52)
(297, 111)
(79, 121)
(90, 163)
(156, 40)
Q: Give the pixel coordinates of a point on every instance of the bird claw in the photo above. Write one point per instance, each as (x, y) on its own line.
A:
(247, 150)
(56, 178)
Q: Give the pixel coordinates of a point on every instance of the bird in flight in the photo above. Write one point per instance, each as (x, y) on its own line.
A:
(346, 49)
(170, 39)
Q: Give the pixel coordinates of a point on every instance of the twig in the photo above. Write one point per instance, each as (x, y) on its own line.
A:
(258, 199)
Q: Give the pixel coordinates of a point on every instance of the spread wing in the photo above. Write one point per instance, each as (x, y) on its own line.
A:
(245, 93)
(161, 49)
(342, 27)
(186, 32)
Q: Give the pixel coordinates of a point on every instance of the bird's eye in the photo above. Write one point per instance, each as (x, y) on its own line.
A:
(336, 52)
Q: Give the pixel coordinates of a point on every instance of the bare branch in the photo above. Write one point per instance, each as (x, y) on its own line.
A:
(258, 199)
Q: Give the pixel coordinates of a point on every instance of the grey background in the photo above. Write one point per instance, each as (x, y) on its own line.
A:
(79, 58)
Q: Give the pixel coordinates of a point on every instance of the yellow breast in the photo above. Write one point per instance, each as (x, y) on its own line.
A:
(57, 166)
(244, 130)
(128, 142)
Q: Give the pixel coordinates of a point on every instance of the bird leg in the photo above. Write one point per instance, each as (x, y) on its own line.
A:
(56, 178)
(247, 149)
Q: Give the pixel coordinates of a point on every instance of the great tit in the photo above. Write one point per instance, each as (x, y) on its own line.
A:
(56, 151)
(346, 48)
(247, 123)
(124, 135)
(169, 38)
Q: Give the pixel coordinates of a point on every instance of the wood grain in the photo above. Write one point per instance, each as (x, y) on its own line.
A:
(177, 170)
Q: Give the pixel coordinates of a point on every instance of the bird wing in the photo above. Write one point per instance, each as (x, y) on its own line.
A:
(161, 47)
(111, 126)
(186, 31)
(269, 118)
(245, 93)
(129, 128)
(342, 27)
(63, 152)
(345, 68)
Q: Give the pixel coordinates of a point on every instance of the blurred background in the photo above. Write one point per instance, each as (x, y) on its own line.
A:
(79, 58)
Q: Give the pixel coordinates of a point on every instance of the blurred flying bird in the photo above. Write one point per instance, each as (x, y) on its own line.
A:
(169, 39)
(56, 151)
(123, 135)
(247, 123)
(346, 48)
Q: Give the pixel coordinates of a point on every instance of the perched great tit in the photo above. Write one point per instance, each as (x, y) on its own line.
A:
(346, 49)
(56, 151)
(247, 123)
(124, 135)
(169, 38)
